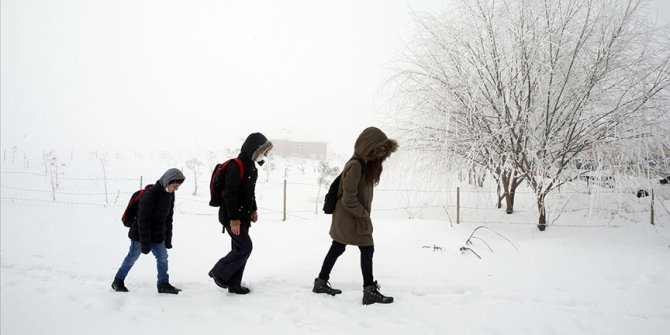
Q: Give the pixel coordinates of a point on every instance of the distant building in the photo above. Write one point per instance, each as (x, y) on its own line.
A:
(314, 150)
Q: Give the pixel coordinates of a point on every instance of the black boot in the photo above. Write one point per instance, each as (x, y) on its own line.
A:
(239, 290)
(118, 286)
(323, 286)
(167, 288)
(218, 281)
(372, 295)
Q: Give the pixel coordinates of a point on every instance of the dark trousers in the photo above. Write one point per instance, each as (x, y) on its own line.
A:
(337, 249)
(230, 268)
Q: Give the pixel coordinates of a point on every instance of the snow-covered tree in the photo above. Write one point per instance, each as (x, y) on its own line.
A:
(103, 161)
(212, 160)
(326, 175)
(524, 87)
(194, 165)
(51, 166)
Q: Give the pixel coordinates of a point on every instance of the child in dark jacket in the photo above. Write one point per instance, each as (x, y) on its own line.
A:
(237, 213)
(152, 231)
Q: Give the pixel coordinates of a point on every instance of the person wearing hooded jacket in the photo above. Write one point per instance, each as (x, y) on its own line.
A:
(152, 231)
(238, 211)
(351, 223)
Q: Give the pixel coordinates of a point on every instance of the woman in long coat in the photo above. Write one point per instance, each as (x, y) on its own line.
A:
(351, 223)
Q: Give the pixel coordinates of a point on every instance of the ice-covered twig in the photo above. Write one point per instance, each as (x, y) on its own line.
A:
(435, 247)
(468, 242)
(495, 232)
(464, 249)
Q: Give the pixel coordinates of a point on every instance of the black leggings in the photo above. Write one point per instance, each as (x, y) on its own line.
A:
(337, 249)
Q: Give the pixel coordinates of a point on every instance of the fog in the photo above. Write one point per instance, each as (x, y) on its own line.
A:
(199, 75)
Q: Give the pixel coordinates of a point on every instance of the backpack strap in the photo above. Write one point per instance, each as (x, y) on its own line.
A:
(360, 160)
(241, 166)
(221, 168)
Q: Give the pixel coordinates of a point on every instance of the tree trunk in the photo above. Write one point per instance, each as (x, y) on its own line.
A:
(510, 183)
(195, 183)
(480, 179)
(542, 220)
(500, 197)
(318, 195)
(509, 201)
(505, 182)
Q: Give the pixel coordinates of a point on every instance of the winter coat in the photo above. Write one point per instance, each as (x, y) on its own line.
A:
(351, 223)
(239, 201)
(154, 216)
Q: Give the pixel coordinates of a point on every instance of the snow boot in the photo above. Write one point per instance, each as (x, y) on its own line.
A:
(118, 286)
(239, 290)
(372, 295)
(167, 288)
(218, 281)
(323, 286)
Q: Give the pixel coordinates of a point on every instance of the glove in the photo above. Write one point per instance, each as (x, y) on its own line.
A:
(146, 249)
(168, 245)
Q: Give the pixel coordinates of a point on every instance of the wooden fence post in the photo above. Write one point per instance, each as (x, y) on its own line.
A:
(652, 206)
(458, 205)
(284, 219)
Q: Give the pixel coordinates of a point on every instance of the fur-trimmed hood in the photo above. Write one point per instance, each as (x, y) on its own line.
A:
(372, 144)
(255, 146)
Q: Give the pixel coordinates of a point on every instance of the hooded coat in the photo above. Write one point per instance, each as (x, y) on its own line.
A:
(154, 216)
(351, 223)
(240, 194)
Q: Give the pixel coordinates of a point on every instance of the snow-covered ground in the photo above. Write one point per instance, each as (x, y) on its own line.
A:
(611, 276)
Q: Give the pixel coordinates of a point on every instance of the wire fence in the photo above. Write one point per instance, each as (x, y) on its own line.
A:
(300, 200)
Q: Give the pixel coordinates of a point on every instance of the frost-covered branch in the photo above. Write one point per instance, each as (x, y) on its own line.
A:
(526, 88)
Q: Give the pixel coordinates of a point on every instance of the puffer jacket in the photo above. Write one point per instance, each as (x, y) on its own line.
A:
(154, 217)
(240, 195)
(351, 223)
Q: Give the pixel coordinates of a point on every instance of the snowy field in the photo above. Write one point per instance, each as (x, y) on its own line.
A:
(609, 275)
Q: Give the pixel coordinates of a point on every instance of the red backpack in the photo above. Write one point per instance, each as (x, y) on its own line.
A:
(217, 183)
(130, 214)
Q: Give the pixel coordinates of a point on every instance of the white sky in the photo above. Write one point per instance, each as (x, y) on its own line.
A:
(200, 75)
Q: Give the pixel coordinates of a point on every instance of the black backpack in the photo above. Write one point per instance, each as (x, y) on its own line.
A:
(130, 214)
(217, 182)
(331, 198)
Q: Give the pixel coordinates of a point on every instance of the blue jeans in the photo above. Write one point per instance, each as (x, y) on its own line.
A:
(159, 251)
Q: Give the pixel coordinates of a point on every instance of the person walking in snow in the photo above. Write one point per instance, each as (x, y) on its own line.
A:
(152, 231)
(351, 223)
(238, 211)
